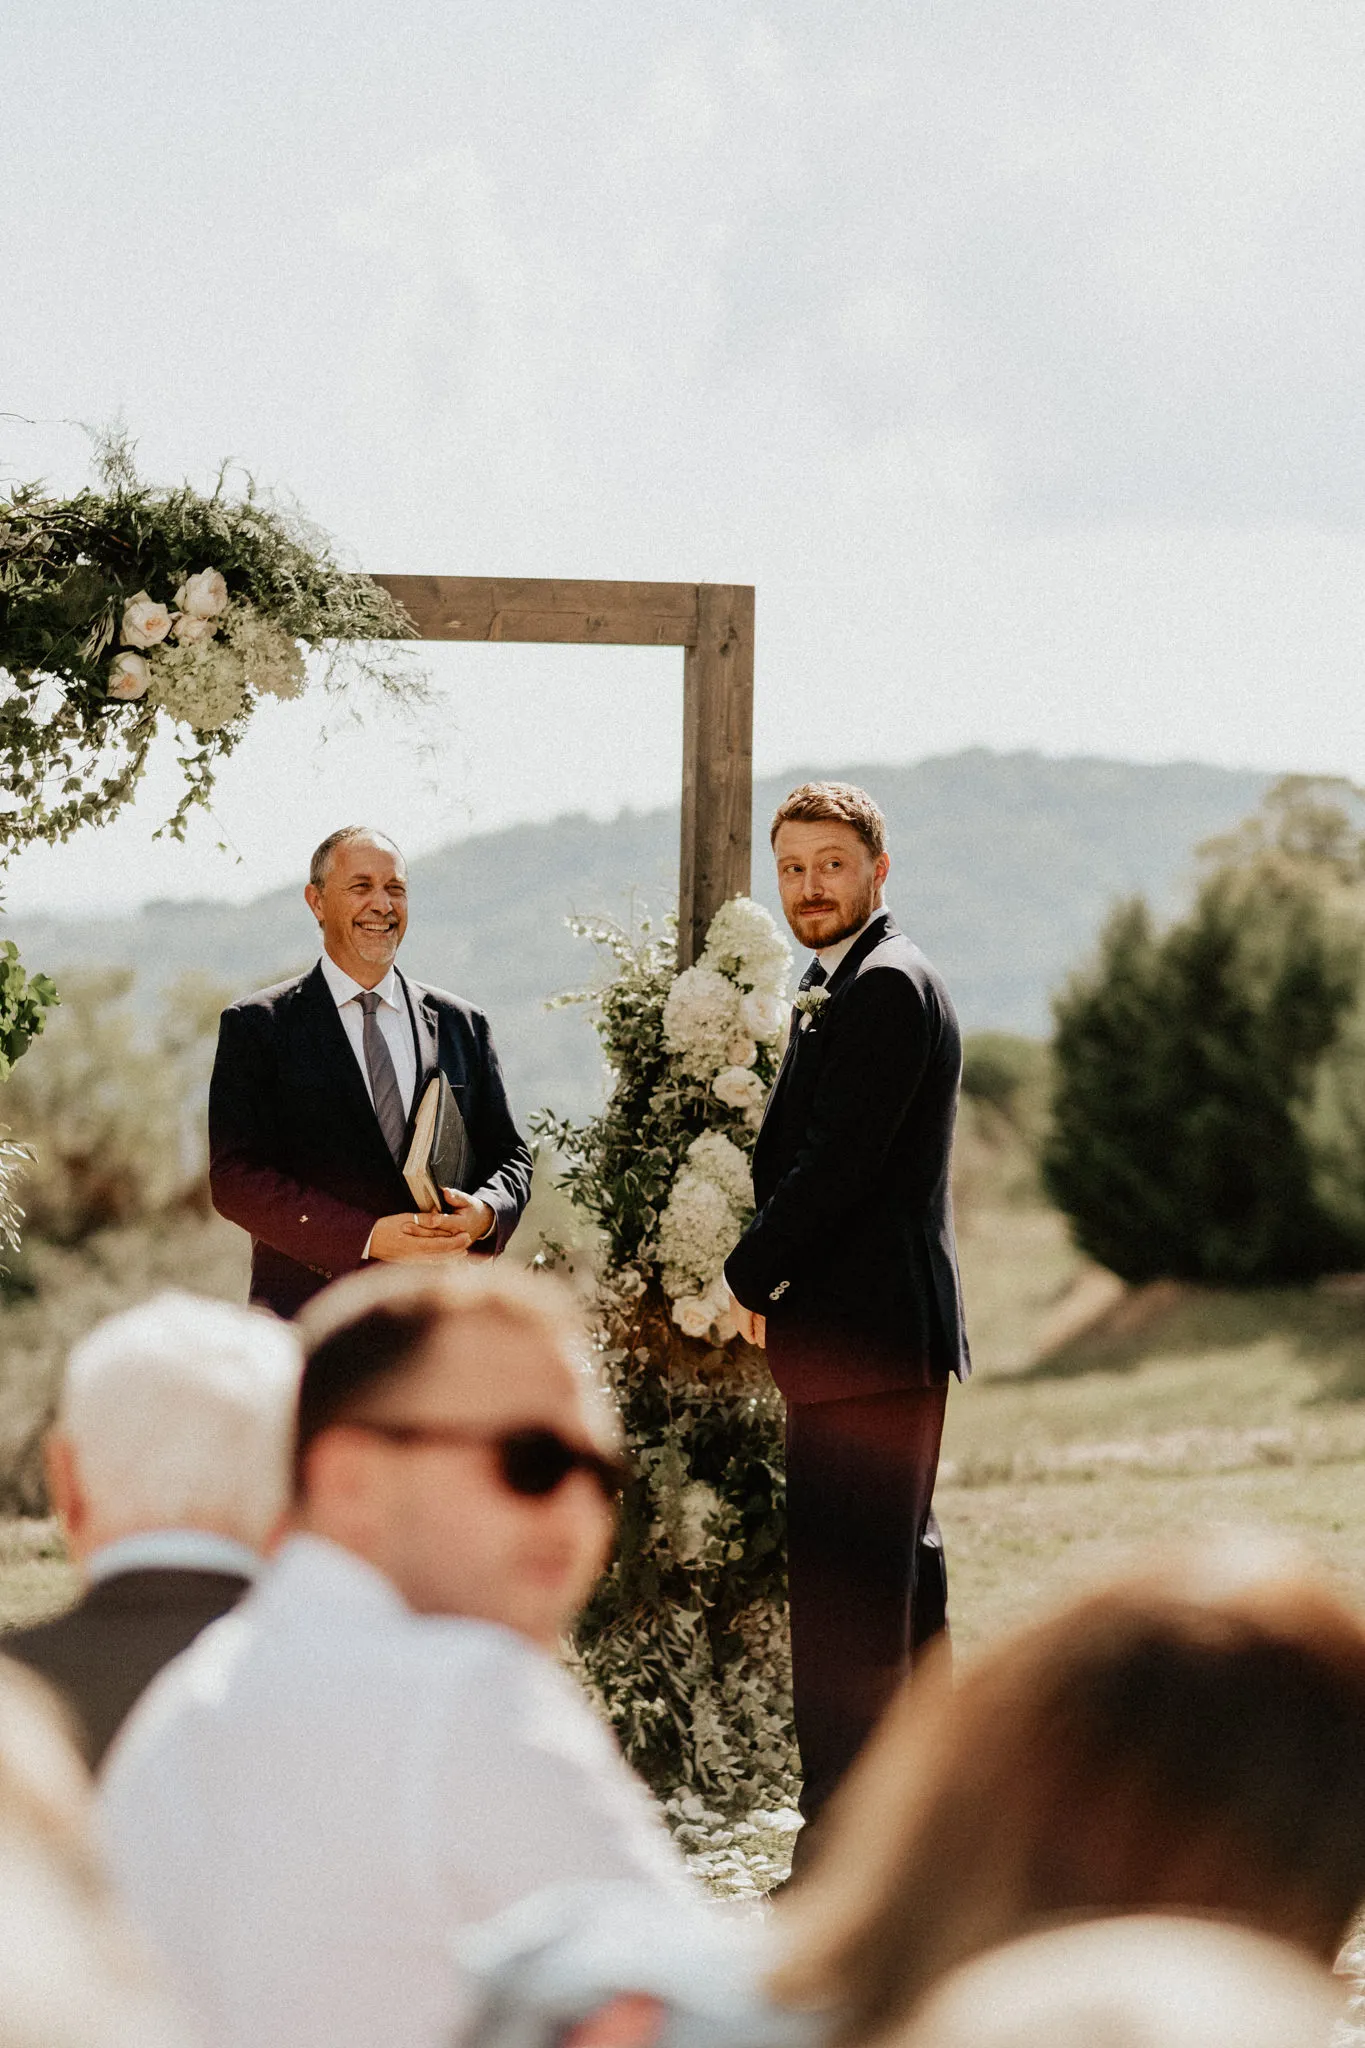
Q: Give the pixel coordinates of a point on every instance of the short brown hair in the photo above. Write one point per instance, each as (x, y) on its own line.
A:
(1190, 1738)
(322, 855)
(374, 1326)
(841, 803)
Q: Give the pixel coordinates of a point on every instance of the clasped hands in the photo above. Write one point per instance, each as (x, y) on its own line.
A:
(432, 1234)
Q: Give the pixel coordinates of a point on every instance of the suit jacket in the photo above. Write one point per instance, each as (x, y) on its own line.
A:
(296, 1155)
(103, 1653)
(851, 1255)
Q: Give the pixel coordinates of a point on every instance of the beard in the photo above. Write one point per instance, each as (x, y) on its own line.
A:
(803, 927)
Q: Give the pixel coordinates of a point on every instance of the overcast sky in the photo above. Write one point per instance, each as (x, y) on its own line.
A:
(1013, 352)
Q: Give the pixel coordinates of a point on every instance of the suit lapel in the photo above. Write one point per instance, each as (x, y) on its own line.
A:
(334, 1052)
(879, 928)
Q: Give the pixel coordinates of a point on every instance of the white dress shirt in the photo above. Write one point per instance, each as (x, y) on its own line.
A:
(307, 1806)
(391, 1016)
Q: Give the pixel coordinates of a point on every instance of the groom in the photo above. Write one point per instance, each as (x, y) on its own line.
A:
(848, 1274)
(315, 1085)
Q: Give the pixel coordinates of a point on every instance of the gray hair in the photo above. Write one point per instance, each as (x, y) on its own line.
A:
(180, 1414)
(322, 855)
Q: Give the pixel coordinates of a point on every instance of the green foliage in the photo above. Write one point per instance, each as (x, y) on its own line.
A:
(25, 1000)
(111, 1111)
(685, 1642)
(1189, 1107)
(72, 754)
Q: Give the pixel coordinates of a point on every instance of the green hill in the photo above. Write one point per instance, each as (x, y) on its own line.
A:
(1004, 866)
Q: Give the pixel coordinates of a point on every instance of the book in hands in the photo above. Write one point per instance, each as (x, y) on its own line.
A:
(440, 1155)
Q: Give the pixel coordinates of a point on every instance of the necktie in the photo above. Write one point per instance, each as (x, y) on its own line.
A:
(814, 977)
(388, 1097)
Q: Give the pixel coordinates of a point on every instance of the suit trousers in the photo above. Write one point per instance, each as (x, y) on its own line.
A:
(866, 1577)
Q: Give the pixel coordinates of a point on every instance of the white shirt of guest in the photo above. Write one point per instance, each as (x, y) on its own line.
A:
(307, 1806)
(391, 1016)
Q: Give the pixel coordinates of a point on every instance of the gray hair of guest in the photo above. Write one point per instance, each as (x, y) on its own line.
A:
(181, 1415)
(322, 855)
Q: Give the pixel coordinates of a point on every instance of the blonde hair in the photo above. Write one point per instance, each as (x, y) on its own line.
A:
(835, 803)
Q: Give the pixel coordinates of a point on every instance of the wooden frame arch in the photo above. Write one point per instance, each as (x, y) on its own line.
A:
(712, 622)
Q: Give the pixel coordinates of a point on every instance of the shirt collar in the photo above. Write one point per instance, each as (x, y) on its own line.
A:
(832, 957)
(344, 990)
(187, 1550)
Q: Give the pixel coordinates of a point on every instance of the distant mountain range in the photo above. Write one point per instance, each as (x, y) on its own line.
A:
(1004, 866)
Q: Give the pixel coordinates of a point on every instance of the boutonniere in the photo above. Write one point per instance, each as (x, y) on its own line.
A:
(809, 1003)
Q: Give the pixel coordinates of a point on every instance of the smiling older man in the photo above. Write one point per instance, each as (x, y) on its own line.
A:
(315, 1085)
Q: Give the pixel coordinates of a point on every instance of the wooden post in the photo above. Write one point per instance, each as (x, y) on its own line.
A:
(718, 751)
(712, 622)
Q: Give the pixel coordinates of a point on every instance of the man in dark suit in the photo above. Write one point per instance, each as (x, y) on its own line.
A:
(316, 1083)
(169, 1472)
(848, 1274)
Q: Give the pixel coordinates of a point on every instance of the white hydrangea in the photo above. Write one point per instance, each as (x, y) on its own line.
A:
(700, 1013)
(203, 684)
(273, 663)
(745, 944)
(698, 1228)
(719, 1159)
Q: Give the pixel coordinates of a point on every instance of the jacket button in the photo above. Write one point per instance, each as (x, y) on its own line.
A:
(303, 1219)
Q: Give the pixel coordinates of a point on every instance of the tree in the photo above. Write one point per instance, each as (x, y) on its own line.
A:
(1190, 1115)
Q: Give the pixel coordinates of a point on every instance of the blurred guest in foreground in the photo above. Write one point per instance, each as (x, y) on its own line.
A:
(70, 1974)
(169, 1472)
(1188, 1740)
(1144, 1982)
(378, 1747)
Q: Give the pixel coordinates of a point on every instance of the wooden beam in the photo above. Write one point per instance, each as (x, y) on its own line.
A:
(714, 622)
(717, 791)
(540, 609)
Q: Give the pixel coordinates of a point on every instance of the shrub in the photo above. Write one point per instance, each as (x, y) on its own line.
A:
(1197, 1130)
(112, 1107)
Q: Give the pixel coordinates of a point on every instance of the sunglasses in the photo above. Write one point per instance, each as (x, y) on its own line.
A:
(532, 1463)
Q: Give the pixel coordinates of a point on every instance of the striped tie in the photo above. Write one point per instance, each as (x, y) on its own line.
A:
(388, 1097)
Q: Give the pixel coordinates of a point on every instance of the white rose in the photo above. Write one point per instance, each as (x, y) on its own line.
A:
(204, 595)
(761, 1015)
(129, 677)
(145, 623)
(738, 1088)
(692, 1315)
(188, 628)
(741, 1051)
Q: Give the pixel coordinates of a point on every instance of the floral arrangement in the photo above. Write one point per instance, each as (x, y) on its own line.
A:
(132, 603)
(685, 1642)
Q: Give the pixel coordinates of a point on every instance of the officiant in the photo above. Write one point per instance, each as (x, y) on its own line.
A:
(316, 1089)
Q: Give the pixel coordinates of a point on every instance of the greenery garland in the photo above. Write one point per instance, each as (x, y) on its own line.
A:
(123, 605)
(133, 606)
(685, 1642)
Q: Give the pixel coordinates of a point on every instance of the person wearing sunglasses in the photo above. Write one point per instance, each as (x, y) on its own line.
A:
(383, 1748)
